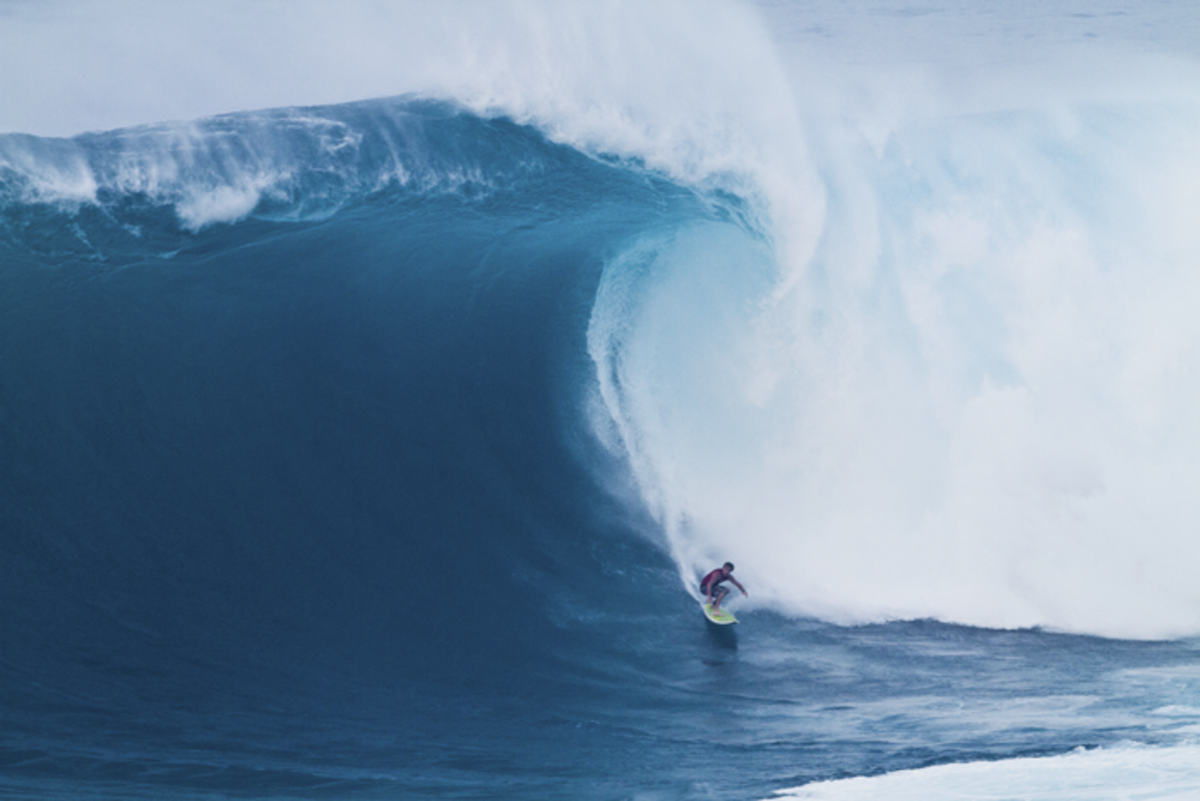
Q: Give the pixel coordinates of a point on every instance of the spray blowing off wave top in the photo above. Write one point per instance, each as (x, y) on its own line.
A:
(691, 90)
(286, 164)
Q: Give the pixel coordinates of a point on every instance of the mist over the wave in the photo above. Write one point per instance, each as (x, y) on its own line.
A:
(692, 89)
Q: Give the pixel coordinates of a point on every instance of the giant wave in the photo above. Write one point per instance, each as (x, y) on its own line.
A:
(969, 401)
(418, 416)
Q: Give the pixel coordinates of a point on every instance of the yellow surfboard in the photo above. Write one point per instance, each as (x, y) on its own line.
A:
(720, 616)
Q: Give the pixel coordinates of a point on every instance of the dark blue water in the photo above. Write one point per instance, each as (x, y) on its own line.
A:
(299, 499)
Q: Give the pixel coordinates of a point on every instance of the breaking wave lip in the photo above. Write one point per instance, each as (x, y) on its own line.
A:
(282, 164)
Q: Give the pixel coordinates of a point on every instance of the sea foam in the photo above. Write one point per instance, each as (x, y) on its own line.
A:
(1100, 774)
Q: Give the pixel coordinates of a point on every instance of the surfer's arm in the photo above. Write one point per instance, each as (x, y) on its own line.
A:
(739, 586)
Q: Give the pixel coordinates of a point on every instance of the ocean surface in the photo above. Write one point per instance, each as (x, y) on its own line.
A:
(369, 443)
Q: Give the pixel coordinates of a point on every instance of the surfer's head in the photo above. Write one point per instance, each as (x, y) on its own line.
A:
(727, 567)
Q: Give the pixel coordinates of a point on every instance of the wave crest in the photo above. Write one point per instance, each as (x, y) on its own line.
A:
(283, 164)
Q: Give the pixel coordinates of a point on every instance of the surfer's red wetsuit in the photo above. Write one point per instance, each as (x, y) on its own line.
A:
(710, 585)
(714, 578)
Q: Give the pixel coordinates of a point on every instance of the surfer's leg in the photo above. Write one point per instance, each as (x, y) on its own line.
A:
(719, 596)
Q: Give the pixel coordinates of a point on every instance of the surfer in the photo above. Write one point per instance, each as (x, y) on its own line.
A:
(710, 585)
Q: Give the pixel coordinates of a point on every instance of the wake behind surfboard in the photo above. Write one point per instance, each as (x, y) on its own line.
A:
(720, 616)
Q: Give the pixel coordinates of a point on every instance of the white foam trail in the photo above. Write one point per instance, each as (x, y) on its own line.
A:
(1103, 774)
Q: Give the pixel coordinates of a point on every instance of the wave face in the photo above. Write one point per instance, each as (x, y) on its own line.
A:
(326, 452)
(373, 449)
(362, 389)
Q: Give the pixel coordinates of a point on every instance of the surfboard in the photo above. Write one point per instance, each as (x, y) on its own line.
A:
(720, 617)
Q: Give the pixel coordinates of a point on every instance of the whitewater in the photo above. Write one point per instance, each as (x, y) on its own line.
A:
(377, 380)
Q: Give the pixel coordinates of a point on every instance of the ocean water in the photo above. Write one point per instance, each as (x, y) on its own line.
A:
(374, 390)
